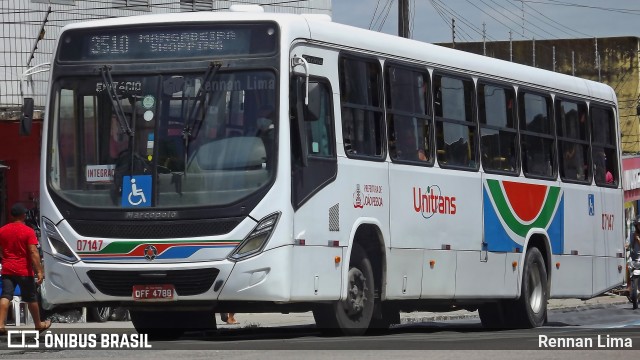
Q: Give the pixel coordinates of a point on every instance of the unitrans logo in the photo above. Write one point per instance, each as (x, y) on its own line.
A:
(431, 201)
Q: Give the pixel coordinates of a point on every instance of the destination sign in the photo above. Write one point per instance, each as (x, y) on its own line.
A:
(166, 42)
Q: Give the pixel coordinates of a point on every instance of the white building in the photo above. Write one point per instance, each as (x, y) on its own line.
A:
(30, 27)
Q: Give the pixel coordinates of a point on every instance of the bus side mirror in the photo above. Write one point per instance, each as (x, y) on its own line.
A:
(26, 119)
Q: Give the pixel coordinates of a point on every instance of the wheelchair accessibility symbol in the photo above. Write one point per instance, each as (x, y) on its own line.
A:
(136, 191)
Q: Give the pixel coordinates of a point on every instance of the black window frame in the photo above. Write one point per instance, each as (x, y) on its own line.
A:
(363, 107)
(613, 147)
(522, 132)
(320, 170)
(515, 130)
(427, 117)
(562, 139)
(441, 120)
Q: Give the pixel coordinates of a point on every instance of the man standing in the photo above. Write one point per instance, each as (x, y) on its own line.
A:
(18, 246)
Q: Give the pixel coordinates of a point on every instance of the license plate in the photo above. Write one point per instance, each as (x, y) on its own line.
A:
(165, 292)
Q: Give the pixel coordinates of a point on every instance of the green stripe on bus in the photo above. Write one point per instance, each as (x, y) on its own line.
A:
(543, 219)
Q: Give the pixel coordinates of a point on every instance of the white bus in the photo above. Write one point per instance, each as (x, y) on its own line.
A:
(254, 162)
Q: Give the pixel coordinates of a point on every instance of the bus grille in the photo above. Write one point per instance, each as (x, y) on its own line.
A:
(154, 229)
(120, 283)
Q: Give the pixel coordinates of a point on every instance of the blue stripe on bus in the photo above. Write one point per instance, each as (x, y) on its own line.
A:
(495, 235)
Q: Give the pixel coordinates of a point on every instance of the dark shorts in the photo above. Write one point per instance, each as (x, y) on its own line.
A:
(27, 287)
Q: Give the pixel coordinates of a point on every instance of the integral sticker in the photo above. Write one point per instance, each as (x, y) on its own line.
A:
(100, 173)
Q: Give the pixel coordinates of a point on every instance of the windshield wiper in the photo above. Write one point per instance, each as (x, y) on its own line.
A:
(191, 122)
(105, 71)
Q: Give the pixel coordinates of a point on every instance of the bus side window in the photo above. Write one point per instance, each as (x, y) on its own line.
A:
(605, 158)
(499, 139)
(361, 103)
(318, 124)
(455, 126)
(537, 135)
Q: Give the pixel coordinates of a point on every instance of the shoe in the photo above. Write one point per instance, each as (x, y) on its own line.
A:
(47, 324)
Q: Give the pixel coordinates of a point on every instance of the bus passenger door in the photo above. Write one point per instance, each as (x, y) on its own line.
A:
(313, 172)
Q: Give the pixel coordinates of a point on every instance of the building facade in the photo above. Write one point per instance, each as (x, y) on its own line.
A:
(27, 39)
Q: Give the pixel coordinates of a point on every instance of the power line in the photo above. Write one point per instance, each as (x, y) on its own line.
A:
(566, 4)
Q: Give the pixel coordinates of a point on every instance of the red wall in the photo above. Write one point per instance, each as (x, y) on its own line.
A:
(22, 155)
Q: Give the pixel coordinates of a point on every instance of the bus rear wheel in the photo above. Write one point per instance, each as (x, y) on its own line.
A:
(353, 315)
(531, 308)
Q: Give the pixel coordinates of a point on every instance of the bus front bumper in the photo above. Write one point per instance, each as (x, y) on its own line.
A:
(251, 279)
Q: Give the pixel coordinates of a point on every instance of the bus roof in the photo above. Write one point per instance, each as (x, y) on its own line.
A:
(347, 37)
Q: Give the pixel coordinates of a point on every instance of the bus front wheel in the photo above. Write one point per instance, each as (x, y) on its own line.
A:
(351, 316)
(532, 306)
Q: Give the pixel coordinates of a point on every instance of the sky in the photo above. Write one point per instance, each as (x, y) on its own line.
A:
(543, 19)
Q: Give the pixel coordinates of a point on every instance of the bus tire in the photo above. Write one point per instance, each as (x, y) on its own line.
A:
(634, 292)
(353, 315)
(380, 323)
(492, 315)
(531, 308)
(99, 313)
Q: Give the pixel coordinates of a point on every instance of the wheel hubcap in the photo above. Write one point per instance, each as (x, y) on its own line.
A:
(356, 297)
(535, 290)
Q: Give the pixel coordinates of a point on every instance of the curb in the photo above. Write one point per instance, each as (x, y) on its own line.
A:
(408, 319)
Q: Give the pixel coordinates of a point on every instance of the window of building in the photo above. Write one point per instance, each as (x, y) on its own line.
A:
(456, 130)
(573, 141)
(59, 2)
(537, 135)
(137, 5)
(408, 114)
(361, 104)
(605, 152)
(498, 132)
(196, 5)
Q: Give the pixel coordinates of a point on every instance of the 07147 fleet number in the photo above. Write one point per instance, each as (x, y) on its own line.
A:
(89, 245)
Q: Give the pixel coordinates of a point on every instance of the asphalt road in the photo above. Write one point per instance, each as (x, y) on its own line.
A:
(610, 329)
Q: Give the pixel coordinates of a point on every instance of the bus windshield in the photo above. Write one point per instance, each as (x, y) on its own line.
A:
(183, 140)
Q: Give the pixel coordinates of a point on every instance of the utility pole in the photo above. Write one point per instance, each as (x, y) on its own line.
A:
(403, 18)
(573, 63)
(484, 39)
(453, 32)
(554, 58)
(597, 59)
(510, 46)
(534, 52)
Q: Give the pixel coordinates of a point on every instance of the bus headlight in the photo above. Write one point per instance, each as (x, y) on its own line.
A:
(257, 239)
(59, 248)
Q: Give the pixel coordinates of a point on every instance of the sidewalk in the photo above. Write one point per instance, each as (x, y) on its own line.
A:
(306, 318)
(297, 319)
